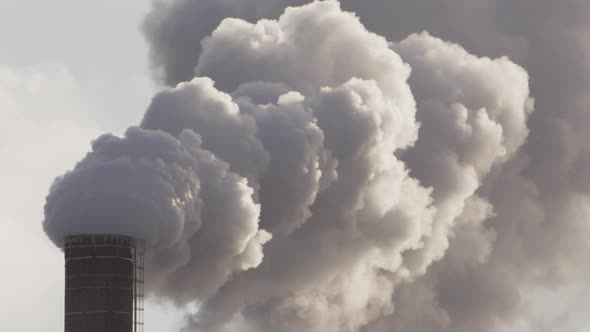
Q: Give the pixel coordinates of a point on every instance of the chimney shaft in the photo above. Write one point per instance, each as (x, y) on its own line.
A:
(103, 283)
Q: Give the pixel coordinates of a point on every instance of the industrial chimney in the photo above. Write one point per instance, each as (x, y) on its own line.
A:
(103, 283)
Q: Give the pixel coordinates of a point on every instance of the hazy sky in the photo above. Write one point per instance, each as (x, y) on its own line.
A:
(70, 70)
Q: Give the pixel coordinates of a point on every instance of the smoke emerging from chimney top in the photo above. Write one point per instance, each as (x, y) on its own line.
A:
(303, 173)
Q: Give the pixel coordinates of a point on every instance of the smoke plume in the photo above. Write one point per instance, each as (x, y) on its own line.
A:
(330, 167)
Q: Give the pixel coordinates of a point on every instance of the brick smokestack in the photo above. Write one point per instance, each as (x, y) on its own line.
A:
(103, 283)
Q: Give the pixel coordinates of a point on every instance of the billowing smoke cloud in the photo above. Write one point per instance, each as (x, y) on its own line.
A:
(305, 174)
(188, 206)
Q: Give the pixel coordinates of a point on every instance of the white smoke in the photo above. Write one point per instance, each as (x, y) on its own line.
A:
(307, 174)
(168, 191)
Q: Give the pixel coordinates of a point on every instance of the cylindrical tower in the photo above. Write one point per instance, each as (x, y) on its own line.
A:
(103, 284)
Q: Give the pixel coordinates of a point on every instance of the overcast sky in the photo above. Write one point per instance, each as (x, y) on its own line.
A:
(70, 70)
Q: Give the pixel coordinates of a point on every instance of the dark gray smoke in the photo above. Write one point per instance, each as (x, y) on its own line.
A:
(326, 178)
